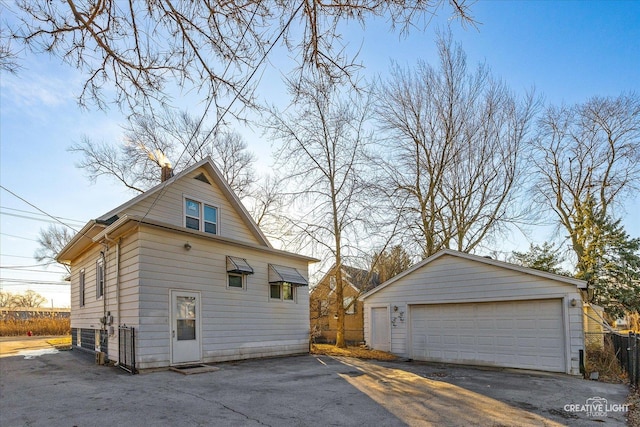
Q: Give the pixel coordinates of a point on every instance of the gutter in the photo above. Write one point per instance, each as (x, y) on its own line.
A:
(153, 223)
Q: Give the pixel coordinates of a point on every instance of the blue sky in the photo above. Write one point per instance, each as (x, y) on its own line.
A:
(568, 50)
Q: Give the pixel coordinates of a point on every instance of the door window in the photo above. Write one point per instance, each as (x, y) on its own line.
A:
(186, 318)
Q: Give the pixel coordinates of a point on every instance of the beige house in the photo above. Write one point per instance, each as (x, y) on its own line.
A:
(323, 311)
(186, 267)
(455, 307)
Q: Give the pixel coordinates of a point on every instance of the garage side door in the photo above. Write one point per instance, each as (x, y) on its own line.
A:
(517, 334)
(380, 329)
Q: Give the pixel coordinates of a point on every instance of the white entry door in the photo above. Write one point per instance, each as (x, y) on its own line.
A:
(185, 327)
(380, 329)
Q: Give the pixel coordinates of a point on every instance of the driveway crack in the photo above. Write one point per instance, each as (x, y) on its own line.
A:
(224, 406)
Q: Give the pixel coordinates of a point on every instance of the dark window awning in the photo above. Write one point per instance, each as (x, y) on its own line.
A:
(278, 274)
(238, 265)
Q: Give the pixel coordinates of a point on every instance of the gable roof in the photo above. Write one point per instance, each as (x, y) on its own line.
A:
(210, 167)
(356, 277)
(485, 260)
(86, 235)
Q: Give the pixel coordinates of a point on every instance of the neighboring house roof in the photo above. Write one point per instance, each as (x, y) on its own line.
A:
(359, 279)
(115, 219)
(485, 260)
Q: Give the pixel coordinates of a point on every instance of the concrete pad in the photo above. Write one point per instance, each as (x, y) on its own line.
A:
(68, 389)
(193, 369)
(11, 346)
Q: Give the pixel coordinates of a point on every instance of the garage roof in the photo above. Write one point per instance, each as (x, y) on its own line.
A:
(486, 260)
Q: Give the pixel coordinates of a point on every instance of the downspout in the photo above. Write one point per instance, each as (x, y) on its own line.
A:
(111, 329)
(117, 273)
(103, 321)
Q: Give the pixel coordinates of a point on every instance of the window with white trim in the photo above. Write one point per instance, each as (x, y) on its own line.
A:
(283, 291)
(237, 271)
(200, 216)
(99, 279)
(349, 309)
(236, 281)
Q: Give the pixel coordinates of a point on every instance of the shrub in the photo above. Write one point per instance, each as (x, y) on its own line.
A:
(602, 359)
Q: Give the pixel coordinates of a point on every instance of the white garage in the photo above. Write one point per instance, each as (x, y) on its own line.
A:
(460, 308)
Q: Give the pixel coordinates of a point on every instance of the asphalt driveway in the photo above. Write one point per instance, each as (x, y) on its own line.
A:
(68, 389)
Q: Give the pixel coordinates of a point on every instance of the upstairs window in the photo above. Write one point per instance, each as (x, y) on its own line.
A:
(200, 216)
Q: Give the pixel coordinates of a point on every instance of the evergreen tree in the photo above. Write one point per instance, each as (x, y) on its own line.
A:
(545, 258)
(610, 261)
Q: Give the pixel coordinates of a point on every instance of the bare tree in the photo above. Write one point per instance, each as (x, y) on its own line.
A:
(7, 299)
(29, 299)
(154, 140)
(8, 57)
(323, 154)
(51, 241)
(588, 161)
(455, 138)
(141, 47)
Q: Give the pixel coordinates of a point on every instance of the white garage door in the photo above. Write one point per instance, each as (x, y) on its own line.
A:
(518, 334)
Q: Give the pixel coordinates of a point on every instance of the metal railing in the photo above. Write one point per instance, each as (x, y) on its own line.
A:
(127, 349)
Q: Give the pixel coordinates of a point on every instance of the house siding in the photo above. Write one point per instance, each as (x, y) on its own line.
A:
(168, 206)
(86, 319)
(146, 259)
(451, 279)
(235, 324)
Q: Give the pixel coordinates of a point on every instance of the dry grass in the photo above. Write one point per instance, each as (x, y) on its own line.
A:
(63, 343)
(633, 416)
(602, 359)
(37, 326)
(357, 352)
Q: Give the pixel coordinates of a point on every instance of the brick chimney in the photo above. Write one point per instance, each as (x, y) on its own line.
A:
(167, 172)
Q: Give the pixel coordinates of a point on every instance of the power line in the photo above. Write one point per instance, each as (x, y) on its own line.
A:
(17, 256)
(37, 208)
(12, 282)
(15, 267)
(38, 213)
(19, 237)
(32, 271)
(54, 221)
